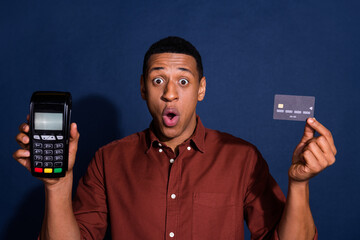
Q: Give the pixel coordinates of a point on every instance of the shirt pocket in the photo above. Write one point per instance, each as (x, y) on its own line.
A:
(213, 216)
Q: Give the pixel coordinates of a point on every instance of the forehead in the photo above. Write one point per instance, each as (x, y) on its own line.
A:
(172, 60)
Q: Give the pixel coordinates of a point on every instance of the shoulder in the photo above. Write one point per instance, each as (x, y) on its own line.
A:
(230, 148)
(223, 139)
(243, 157)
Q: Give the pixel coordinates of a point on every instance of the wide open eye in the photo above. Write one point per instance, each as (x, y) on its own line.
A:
(158, 81)
(183, 82)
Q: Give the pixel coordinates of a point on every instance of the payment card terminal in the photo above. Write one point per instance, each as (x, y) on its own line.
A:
(49, 133)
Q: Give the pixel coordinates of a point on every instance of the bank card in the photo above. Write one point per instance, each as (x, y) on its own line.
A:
(292, 107)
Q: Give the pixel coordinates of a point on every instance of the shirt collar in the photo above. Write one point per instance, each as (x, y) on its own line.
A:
(198, 137)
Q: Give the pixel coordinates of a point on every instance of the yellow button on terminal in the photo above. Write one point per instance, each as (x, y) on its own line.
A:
(48, 170)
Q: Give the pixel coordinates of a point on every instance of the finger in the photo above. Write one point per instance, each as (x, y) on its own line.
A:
(308, 132)
(306, 168)
(23, 157)
(21, 153)
(323, 131)
(312, 162)
(326, 149)
(318, 156)
(300, 172)
(24, 128)
(23, 140)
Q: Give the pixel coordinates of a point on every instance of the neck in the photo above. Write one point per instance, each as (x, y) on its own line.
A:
(175, 142)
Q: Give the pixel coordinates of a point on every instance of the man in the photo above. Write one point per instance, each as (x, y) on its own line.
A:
(178, 179)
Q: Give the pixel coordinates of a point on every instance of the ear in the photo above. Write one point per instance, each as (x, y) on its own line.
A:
(202, 89)
(142, 87)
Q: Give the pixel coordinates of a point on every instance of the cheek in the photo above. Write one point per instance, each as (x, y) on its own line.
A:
(153, 101)
(189, 101)
(151, 93)
(190, 96)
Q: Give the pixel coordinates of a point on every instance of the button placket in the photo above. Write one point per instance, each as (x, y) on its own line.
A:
(172, 209)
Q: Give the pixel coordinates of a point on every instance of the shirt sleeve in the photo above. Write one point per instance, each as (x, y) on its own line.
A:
(89, 204)
(264, 201)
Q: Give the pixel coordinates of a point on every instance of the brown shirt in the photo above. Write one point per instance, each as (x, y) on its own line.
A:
(139, 186)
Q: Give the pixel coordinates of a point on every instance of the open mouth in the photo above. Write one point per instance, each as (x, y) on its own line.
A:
(170, 117)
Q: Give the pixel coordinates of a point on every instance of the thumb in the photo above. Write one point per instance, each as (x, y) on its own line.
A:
(309, 132)
(73, 144)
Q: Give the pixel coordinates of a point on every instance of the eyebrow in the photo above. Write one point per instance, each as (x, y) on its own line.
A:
(180, 68)
(186, 70)
(155, 69)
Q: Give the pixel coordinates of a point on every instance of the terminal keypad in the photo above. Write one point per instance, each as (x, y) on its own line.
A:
(48, 153)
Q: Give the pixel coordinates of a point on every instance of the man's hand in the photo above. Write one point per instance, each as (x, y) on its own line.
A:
(313, 154)
(23, 155)
(58, 214)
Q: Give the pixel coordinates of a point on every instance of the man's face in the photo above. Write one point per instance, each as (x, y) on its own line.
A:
(172, 89)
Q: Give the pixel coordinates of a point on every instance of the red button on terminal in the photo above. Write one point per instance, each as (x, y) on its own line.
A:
(39, 170)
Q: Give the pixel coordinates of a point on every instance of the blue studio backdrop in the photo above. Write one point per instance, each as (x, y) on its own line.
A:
(251, 50)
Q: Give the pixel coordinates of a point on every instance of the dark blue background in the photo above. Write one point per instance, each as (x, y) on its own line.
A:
(251, 50)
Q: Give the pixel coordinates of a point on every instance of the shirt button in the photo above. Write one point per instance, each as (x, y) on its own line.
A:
(160, 145)
(172, 160)
(171, 234)
(189, 148)
(160, 150)
(173, 196)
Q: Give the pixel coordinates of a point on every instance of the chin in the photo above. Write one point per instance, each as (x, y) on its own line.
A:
(169, 132)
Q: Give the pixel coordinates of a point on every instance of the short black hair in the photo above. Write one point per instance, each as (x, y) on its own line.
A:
(173, 44)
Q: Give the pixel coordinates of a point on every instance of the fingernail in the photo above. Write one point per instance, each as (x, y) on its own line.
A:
(27, 154)
(311, 120)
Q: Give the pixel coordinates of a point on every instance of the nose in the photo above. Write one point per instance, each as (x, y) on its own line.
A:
(170, 92)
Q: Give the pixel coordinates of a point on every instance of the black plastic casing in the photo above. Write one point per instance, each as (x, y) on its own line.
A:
(51, 102)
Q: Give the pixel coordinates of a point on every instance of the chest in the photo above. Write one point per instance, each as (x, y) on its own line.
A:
(192, 194)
